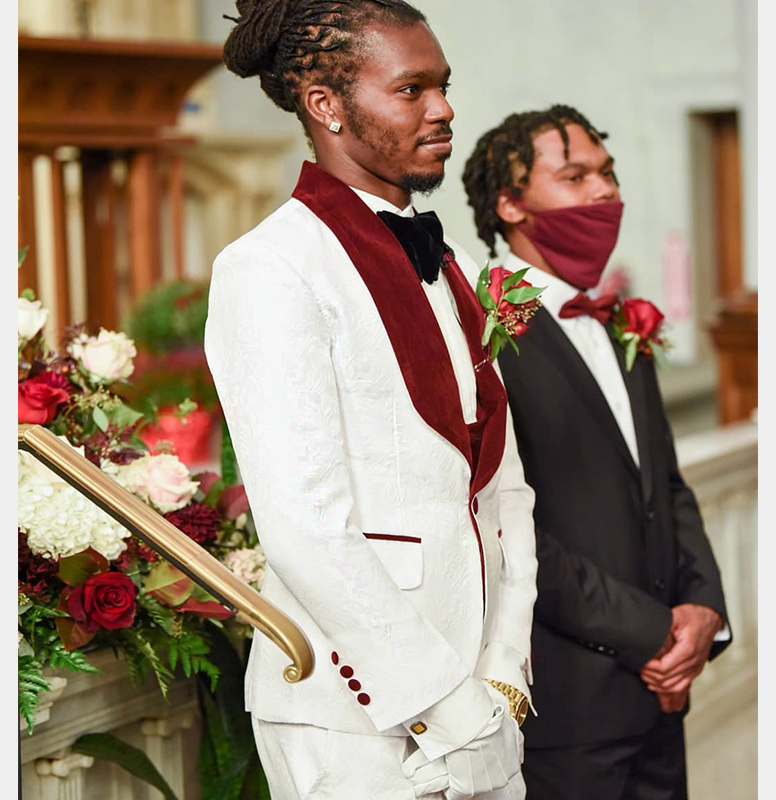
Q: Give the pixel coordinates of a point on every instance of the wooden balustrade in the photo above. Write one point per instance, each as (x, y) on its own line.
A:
(115, 105)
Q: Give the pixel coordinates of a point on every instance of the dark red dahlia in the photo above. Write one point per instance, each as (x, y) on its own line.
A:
(137, 550)
(197, 520)
(37, 575)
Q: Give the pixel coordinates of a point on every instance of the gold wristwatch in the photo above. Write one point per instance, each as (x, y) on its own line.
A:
(518, 702)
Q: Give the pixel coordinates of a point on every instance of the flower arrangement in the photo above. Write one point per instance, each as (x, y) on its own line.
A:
(509, 302)
(638, 327)
(84, 581)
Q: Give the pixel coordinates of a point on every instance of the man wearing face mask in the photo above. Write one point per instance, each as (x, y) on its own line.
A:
(630, 604)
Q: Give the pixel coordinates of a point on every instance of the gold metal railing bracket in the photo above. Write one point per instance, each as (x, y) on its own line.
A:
(171, 543)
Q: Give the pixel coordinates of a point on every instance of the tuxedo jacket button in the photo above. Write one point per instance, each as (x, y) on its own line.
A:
(660, 584)
(650, 515)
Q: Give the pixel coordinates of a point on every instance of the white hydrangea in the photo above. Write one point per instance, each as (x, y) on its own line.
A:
(247, 564)
(59, 520)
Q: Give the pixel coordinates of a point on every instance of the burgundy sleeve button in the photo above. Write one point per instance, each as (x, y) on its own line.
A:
(346, 672)
(364, 699)
(334, 658)
(354, 685)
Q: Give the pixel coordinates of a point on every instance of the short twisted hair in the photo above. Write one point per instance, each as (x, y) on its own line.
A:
(288, 43)
(503, 159)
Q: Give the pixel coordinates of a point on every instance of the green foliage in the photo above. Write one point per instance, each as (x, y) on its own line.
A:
(110, 748)
(483, 281)
(229, 766)
(169, 317)
(191, 651)
(31, 685)
(228, 458)
(142, 657)
(162, 616)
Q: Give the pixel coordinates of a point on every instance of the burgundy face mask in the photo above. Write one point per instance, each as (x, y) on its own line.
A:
(576, 241)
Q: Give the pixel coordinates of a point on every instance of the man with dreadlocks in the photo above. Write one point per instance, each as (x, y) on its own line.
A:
(380, 467)
(630, 603)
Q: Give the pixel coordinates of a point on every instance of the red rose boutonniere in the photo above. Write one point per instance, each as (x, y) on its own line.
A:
(509, 303)
(638, 327)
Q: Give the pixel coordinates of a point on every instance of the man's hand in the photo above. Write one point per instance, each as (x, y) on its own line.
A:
(672, 702)
(487, 762)
(693, 628)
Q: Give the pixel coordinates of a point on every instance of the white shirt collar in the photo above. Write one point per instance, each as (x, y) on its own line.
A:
(557, 291)
(379, 204)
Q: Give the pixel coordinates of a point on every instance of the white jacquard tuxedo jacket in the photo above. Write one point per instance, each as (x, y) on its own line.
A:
(398, 538)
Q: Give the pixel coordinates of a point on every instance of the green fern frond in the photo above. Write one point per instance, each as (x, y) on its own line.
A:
(32, 684)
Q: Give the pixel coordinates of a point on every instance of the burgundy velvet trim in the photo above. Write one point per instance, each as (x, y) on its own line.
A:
(401, 302)
(389, 537)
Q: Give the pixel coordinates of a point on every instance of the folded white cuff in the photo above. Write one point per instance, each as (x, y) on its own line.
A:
(453, 721)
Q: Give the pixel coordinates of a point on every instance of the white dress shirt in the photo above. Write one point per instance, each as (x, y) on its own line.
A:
(442, 302)
(592, 342)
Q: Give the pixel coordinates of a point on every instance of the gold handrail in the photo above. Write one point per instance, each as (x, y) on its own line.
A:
(171, 543)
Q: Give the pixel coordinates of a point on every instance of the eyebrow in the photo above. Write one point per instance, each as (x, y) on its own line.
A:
(581, 165)
(419, 76)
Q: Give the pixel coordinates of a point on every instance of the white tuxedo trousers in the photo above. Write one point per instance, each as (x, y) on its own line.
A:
(305, 762)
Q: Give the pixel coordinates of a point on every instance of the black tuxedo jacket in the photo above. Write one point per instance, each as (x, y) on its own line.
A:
(617, 545)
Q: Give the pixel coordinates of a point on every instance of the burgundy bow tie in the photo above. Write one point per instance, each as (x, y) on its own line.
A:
(600, 308)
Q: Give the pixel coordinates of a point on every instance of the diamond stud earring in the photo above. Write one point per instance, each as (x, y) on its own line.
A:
(334, 127)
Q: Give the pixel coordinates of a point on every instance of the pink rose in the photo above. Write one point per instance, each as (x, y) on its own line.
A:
(106, 357)
(163, 479)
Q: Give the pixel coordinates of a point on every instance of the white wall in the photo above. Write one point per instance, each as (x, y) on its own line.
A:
(636, 68)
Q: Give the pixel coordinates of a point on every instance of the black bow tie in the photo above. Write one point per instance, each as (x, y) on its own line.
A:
(423, 241)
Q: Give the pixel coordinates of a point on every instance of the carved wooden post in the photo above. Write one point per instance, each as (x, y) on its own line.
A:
(112, 100)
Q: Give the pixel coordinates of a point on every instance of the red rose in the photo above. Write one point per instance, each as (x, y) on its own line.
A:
(106, 600)
(641, 318)
(39, 398)
(497, 277)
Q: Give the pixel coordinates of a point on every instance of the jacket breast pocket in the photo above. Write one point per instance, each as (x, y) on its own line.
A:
(402, 557)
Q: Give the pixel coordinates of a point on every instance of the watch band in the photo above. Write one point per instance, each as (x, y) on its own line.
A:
(518, 702)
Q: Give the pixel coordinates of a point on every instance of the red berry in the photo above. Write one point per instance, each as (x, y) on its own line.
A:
(520, 328)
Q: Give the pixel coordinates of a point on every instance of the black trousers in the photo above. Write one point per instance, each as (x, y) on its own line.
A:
(647, 767)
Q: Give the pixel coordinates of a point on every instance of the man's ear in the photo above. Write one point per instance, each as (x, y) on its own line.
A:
(321, 105)
(508, 209)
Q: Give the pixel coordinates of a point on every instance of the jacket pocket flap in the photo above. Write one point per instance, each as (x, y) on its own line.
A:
(402, 556)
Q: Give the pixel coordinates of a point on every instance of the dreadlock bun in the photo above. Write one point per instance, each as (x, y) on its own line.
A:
(252, 45)
(288, 42)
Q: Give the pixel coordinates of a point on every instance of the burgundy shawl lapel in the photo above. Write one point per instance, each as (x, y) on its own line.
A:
(401, 302)
(491, 395)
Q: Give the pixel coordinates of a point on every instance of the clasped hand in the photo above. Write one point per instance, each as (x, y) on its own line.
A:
(489, 761)
(683, 655)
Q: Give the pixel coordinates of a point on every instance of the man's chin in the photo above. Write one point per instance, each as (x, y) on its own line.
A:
(423, 183)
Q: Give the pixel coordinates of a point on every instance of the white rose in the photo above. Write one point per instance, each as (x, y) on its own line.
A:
(164, 480)
(107, 356)
(31, 317)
